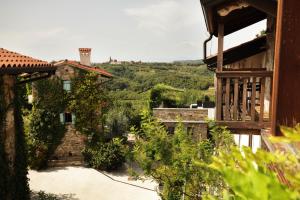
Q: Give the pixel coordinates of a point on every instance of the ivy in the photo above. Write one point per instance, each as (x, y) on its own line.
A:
(89, 103)
(45, 130)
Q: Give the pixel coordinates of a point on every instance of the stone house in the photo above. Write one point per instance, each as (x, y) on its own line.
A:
(69, 151)
(192, 119)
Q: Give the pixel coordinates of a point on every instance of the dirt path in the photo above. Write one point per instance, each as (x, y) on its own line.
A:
(79, 183)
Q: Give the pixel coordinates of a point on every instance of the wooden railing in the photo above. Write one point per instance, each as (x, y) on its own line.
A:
(241, 95)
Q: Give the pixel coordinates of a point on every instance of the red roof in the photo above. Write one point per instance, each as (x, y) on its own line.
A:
(12, 62)
(84, 67)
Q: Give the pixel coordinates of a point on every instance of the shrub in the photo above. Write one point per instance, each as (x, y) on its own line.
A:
(106, 156)
(177, 162)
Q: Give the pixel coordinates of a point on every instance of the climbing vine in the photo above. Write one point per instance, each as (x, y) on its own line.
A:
(89, 103)
(45, 130)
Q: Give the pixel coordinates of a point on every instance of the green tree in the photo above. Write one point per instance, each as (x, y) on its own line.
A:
(177, 162)
(89, 102)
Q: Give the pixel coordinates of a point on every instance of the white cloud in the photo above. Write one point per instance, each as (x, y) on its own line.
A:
(164, 16)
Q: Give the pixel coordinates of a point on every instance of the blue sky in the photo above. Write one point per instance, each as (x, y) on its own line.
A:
(148, 30)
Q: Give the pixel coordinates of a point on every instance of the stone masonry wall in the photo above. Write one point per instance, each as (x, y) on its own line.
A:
(192, 119)
(69, 151)
(185, 114)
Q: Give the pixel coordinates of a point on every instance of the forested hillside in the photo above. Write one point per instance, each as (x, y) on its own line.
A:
(133, 82)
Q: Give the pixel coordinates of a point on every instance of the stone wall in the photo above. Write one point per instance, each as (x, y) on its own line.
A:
(69, 152)
(192, 119)
(198, 130)
(185, 114)
(65, 72)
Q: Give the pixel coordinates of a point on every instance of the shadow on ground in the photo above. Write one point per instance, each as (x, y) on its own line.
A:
(47, 196)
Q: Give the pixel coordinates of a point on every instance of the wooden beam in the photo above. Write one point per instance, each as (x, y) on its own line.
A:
(253, 97)
(220, 46)
(244, 125)
(219, 99)
(286, 84)
(262, 99)
(245, 81)
(246, 74)
(227, 100)
(236, 99)
(267, 6)
(219, 68)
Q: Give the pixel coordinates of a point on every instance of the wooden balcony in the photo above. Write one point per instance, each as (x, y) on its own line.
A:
(241, 99)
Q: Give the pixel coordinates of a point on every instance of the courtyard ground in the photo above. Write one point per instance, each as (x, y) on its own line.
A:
(79, 183)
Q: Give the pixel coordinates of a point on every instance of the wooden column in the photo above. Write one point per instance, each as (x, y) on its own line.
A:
(286, 84)
(9, 133)
(219, 106)
(220, 46)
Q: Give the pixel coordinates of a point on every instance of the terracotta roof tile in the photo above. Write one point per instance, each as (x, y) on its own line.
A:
(10, 61)
(84, 67)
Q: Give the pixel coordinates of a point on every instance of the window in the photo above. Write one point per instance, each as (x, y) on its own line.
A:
(67, 85)
(171, 130)
(190, 130)
(67, 118)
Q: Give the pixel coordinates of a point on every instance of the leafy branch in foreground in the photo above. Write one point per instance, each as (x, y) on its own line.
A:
(255, 175)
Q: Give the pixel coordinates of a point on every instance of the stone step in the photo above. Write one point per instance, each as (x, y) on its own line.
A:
(69, 158)
(65, 163)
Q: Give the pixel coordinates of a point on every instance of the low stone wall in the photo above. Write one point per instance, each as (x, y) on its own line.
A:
(186, 114)
(197, 129)
(192, 119)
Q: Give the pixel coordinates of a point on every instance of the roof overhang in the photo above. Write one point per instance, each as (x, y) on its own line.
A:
(240, 52)
(77, 65)
(19, 70)
(234, 14)
(15, 63)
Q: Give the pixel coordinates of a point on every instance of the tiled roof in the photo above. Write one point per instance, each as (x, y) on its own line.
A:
(84, 67)
(12, 62)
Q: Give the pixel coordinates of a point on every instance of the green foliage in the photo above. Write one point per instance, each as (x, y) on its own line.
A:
(106, 156)
(142, 77)
(291, 135)
(177, 162)
(252, 176)
(41, 195)
(164, 94)
(45, 131)
(20, 179)
(132, 83)
(89, 103)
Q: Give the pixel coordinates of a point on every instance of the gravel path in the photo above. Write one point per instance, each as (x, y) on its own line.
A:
(79, 183)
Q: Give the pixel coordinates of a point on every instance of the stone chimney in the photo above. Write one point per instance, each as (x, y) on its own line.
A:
(85, 56)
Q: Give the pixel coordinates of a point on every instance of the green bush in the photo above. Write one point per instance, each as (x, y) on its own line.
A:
(106, 156)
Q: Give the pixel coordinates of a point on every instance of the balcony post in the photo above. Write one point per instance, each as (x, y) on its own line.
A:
(219, 68)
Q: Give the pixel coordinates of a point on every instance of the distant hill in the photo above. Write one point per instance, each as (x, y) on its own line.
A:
(189, 62)
(132, 82)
